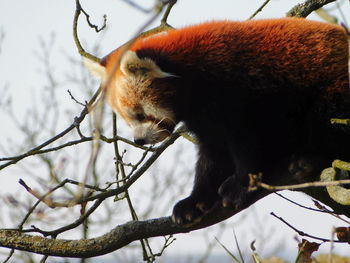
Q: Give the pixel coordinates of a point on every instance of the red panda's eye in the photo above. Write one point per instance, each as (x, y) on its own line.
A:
(140, 116)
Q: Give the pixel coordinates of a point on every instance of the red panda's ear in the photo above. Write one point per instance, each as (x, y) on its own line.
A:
(95, 68)
(133, 66)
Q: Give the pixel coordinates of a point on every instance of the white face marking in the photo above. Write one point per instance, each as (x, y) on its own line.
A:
(152, 125)
(131, 96)
(149, 133)
(158, 113)
(132, 65)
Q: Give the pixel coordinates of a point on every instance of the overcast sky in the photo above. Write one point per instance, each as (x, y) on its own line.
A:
(25, 22)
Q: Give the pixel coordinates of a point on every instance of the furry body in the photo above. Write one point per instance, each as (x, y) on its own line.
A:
(259, 96)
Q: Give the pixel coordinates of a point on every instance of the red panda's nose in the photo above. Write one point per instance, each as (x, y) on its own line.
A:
(140, 141)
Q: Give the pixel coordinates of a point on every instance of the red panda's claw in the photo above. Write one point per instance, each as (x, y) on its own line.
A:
(202, 206)
(188, 210)
(177, 220)
(232, 194)
(227, 202)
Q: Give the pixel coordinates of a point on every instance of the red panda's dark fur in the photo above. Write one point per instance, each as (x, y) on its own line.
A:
(259, 96)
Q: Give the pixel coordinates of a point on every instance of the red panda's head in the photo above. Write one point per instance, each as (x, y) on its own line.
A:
(130, 93)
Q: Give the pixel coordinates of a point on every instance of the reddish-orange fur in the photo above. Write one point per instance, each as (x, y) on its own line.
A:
(270, 39)
(272, 43)
(258, 95)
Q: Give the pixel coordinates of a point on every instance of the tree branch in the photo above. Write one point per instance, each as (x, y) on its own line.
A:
(81, 50)
(77, 121)
(259, 9)
(303, 10)
(301, 233)
(115, 239)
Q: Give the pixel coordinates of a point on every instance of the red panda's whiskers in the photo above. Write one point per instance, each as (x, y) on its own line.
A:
(160, 121)
(163, 125)
(164, 130)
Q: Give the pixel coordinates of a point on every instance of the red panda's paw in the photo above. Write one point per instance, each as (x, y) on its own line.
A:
(191, 208)
(233, 194)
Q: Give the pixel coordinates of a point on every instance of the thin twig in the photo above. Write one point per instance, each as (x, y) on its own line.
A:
(44, 258)
(80, 48)
(167, 242)
(119, 168)
(50, 203)
(34, 150)
(9, 256)
(341, 121)
(170, 140)
(164, 20)
(73, 225)
(74, 99)
(95, 27)
(298, 186)
(302, 206)
(301, 233)
(259, 9)
(72, 143)
(341, 14)
(321, 209)
(31, 210)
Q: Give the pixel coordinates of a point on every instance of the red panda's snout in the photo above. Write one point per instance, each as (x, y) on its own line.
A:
(146, 128)
(150, 124)
(151, 132)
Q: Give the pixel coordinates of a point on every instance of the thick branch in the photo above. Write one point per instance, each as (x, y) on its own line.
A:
(303, 10)
(117, 238)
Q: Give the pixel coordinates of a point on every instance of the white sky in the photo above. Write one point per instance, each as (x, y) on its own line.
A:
(25, 21)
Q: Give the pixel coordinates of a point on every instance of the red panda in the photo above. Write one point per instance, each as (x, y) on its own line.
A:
(258, 95)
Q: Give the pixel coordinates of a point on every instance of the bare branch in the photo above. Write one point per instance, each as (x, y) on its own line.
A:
(117, 238)
(81, 50)
(141, 170)
(164, 20)
(255, 182)
(73, 225)
(259, 9)
(72, 143)
(46, 199)
(303, 10)
(89, 22)
(305, 207)
(77, 120)
(74, 99)
(341, 121)
(301, 233)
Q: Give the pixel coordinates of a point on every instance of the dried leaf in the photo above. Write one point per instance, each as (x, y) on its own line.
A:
(306, 249)
(343, 233)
